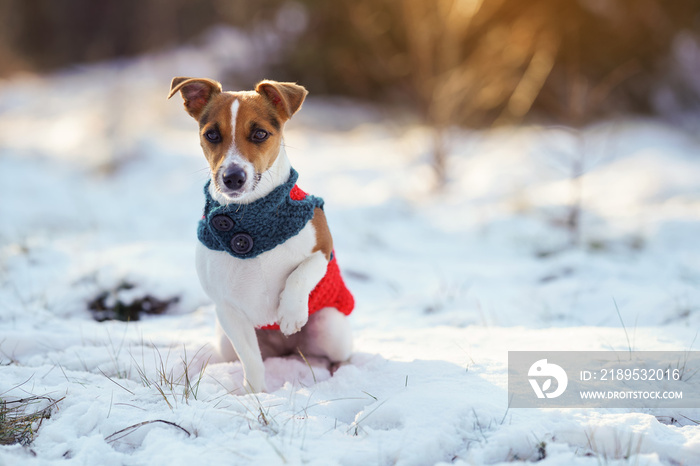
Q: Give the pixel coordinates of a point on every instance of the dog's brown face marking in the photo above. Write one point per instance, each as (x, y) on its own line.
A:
(215, 130)
(240, 128)
(257, 134)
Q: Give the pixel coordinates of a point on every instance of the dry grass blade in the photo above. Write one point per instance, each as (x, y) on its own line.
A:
(127, 430)
(114, 382)
(356, 424)
(308, 364)
(19, 426)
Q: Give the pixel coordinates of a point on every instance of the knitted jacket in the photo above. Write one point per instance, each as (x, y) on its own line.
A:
(247, 230)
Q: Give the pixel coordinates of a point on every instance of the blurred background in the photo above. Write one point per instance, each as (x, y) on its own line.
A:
(468, 63)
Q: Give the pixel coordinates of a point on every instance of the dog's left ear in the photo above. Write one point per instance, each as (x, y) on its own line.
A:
(286, 97)
(196, 92)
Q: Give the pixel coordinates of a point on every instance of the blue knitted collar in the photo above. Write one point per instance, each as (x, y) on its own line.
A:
(247, 230)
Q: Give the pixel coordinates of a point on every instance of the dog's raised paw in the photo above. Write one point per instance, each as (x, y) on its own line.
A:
(290, 324)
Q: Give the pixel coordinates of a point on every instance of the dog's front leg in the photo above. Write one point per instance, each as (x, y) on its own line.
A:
(293, 311)
(245, 342)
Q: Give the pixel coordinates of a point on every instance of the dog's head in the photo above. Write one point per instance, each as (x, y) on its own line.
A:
(240, 132)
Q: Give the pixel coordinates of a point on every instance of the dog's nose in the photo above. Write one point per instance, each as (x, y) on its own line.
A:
(234, 178)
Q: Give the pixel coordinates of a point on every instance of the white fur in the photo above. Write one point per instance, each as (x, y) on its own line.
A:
(272, 287)
(251, 293)
(254, 286)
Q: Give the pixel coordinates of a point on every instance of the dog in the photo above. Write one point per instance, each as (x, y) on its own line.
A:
(265, 253)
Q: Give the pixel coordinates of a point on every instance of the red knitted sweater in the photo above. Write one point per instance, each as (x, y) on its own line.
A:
(331, 290)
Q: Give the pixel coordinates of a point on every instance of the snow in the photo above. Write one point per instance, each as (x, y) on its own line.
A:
(101, 184)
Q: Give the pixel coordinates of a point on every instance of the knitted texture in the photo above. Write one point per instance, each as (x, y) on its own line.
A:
(271, 221)
(262, 224)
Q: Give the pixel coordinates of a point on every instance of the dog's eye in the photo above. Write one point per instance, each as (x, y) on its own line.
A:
(259, 135)
(212, 136)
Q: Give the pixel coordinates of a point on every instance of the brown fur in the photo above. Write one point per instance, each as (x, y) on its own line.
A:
(286, 97)
(255, 112)
(217, 114)
(324, 240)
(196, 92)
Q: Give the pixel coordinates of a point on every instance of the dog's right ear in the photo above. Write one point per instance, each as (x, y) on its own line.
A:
(197, 92)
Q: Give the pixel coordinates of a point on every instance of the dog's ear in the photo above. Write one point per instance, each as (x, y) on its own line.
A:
(197, 92)
(286, 97)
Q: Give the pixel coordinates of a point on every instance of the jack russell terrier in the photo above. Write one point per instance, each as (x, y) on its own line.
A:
(265, 253)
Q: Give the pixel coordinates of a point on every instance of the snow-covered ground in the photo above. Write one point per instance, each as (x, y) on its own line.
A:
(100, 185)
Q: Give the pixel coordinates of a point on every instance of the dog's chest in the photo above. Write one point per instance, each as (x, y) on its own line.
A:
(253, 286)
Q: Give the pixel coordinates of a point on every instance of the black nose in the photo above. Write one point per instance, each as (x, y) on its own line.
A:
(234, 178)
